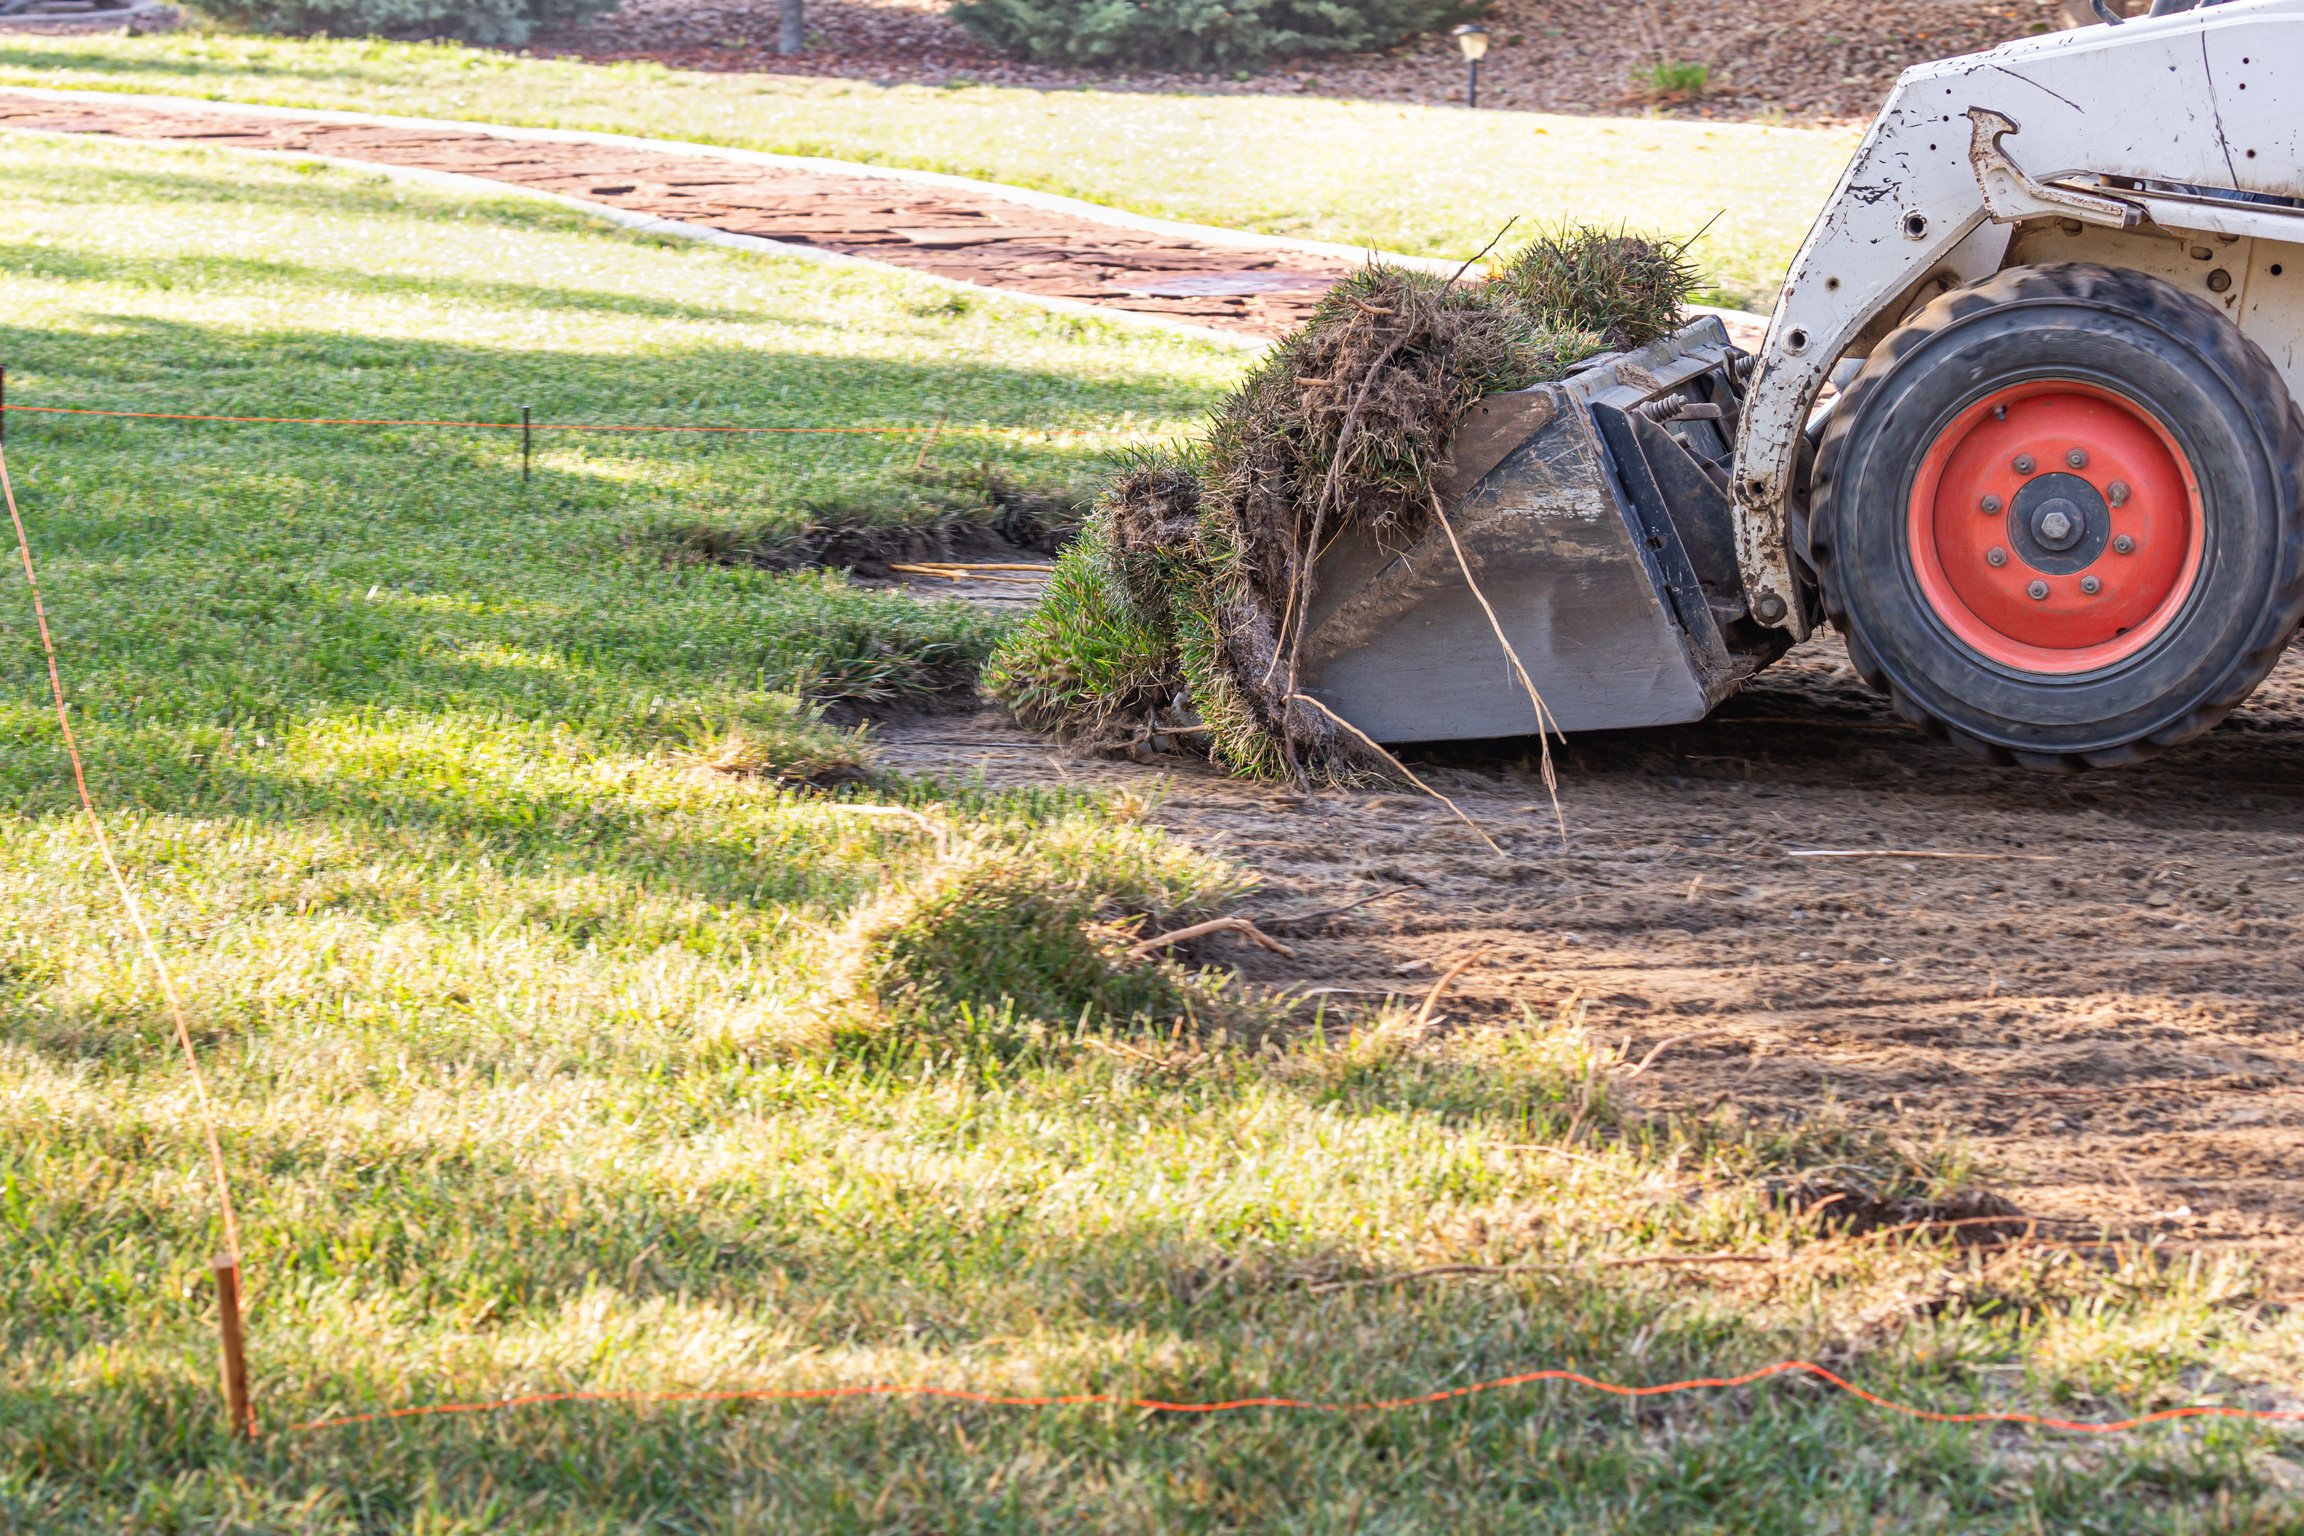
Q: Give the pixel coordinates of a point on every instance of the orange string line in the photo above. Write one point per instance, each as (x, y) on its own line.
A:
(119, 881)
(1379, 1405)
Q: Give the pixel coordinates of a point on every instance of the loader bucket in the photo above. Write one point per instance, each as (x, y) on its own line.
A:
(1595, 516)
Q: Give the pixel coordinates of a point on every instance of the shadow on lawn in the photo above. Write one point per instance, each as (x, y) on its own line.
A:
(480, 1251)
(219, 589)
(143, 362)
(776, 1287)
(1779, 1457)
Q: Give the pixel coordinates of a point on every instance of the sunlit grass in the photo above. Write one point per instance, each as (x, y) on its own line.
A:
(545, 1057)
(1426, 180)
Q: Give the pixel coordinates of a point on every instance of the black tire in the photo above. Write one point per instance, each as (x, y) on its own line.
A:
(2169, 356)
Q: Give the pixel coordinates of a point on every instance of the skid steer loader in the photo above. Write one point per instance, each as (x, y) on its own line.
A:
(2052, 497)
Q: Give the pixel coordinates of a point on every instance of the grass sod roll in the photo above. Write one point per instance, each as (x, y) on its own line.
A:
(1180, 610)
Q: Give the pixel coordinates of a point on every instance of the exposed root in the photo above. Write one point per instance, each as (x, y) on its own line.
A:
(1661, 1046)
(937, 832)
(1290, 919)
(1238, 925)
(1545, 722)
(1447, 979)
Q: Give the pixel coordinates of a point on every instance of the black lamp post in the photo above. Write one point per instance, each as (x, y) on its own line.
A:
(1474, 41)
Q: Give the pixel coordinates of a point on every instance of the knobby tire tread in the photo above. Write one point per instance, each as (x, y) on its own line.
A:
(2219, 343)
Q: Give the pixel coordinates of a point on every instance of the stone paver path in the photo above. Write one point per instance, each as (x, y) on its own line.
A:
(971, 234)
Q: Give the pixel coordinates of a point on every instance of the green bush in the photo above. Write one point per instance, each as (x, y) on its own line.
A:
(1199, 34)
(495, 23)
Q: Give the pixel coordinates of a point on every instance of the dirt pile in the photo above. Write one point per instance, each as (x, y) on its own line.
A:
(1179, 612)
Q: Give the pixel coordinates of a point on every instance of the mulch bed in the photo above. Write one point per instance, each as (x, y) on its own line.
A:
(1809, 61)
(976, 237)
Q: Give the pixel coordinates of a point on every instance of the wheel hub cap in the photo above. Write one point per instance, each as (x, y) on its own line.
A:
(2059, 524)
(2085, 565)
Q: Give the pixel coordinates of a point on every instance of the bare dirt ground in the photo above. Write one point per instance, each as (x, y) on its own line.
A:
(2090, 982)
(1804, 60)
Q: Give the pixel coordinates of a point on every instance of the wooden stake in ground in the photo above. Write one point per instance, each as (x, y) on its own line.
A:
(236, 1406)
(228, 1267)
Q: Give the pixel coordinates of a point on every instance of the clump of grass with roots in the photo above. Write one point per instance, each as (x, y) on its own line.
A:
(1181, 608)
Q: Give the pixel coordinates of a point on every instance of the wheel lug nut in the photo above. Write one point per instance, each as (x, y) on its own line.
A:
(1995, 556)
(2077, 458)
(2117, 493)
(2036, 591)
(2025, 463)
(2124, 545)
(2091, 585)
(1992, 504)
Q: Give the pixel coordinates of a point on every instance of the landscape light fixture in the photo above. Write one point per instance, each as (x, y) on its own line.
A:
(1474, 41)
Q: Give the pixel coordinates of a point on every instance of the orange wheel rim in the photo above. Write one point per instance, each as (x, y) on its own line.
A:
(2055, 527)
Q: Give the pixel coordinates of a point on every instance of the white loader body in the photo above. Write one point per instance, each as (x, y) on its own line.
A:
(2171, 145)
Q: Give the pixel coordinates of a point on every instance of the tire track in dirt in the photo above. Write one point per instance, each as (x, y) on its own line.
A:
(2105, 1010)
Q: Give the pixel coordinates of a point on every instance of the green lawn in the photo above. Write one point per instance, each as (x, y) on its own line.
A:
(546, 1059)
(1435, 181)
